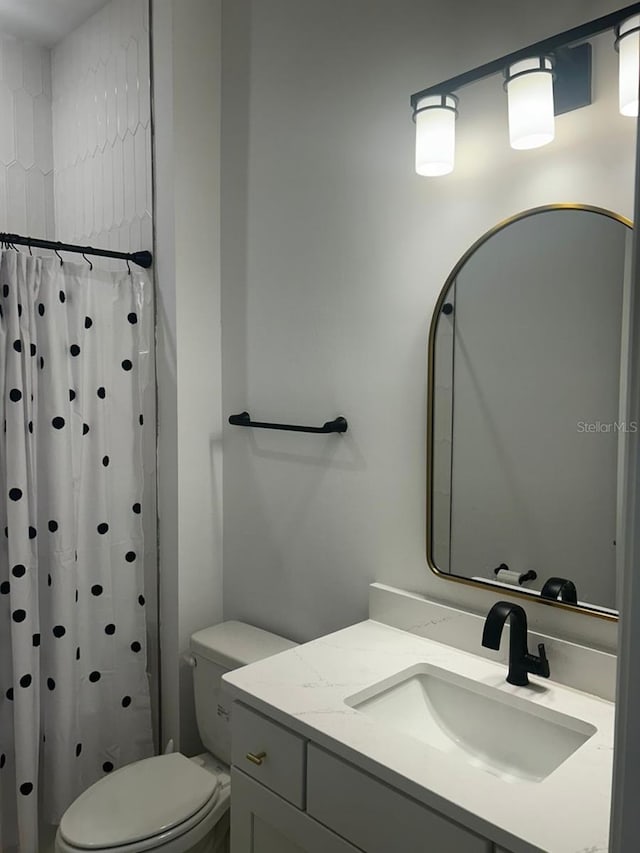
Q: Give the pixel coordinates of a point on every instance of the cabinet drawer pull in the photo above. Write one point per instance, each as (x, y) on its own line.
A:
(256, 759)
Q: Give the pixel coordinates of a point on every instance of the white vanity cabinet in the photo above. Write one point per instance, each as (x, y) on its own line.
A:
(291, 796)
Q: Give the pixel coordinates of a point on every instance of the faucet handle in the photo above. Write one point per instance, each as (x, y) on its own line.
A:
(543, 662)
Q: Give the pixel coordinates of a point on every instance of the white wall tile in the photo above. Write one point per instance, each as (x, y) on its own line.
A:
(101, 105)
(42, 130)
(133, 99)
(129, 177)
(3, 197)
(26, 140)
(107, 187)
(7, 127)
(87, 200)
(112, 99)
(24, 128)
(98, 199)
(140, 170)
(118, 184)
(17, 197)
(121, 91)
(102, 141)
(144, 88)
(36, 211)
(12, 62)
(32, 63)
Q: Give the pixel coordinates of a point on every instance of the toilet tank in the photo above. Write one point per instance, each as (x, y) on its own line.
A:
(217, 650)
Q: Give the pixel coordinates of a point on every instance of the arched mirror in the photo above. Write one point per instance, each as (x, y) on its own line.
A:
(526, 409)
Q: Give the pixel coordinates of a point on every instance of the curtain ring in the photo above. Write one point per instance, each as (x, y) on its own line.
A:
(88, 261)
(58, 254)
(29, 245)
(128, 266)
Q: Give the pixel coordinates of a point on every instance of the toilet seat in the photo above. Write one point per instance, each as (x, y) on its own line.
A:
(145, 806)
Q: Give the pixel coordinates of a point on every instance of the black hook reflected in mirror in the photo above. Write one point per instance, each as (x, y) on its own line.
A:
(562, 588)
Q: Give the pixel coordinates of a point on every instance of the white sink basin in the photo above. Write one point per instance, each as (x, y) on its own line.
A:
(503, 734)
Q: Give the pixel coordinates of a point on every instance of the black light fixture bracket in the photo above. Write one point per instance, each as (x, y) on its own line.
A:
(572, 63)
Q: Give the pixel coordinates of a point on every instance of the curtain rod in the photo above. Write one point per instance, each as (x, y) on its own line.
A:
(142, 259)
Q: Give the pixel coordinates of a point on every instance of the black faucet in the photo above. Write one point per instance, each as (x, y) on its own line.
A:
(562, 587)
(520, 661)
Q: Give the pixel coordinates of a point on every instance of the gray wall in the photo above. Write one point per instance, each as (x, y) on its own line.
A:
(333, 253)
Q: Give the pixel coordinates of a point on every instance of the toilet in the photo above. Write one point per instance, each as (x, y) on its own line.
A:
(171, 803)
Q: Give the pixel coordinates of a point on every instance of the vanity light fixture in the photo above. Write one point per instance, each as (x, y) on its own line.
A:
(628, 47)
(435, 118)
(529, 85)
(550, 77)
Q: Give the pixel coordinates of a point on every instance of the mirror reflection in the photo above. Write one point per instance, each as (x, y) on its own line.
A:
(527, 404)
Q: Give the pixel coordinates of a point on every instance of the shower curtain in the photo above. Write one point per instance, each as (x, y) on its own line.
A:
(75, 358)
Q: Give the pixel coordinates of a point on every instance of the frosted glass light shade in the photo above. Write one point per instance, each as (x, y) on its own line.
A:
(530, 98)
(435, 118)
(628, 44)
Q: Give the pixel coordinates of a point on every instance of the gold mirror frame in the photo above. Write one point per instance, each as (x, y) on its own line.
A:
(515, 593)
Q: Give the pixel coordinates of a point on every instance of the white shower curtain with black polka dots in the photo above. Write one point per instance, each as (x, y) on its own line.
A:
(75, 357)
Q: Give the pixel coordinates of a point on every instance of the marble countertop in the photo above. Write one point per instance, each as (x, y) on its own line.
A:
(305, 689)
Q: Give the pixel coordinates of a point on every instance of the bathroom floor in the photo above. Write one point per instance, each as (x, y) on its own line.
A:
(47, 839)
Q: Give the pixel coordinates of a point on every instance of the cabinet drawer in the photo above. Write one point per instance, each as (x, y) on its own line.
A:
(282, 768)
(376, 817)
(262, 822)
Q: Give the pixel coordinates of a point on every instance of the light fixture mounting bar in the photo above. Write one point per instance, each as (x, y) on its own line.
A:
(541, 48)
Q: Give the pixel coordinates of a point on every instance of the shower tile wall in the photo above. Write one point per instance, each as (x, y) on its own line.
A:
(102, 129)
(26, 158)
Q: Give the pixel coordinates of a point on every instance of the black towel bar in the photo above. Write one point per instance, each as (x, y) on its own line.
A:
(339, 424)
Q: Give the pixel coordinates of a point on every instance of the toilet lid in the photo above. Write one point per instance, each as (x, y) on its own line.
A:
(137, 802)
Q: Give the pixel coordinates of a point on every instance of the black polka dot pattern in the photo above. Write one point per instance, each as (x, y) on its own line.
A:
(72, 378)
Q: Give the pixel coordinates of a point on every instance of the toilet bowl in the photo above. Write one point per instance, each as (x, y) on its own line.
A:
(171, 803)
